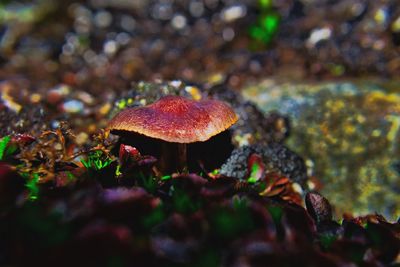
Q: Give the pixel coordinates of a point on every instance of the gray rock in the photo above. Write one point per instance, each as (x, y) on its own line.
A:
(276, 157)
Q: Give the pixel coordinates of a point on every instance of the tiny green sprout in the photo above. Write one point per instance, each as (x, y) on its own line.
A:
(266, 28)
(215, 172)
(270, 23)
(96, 161)
(239, 202)
(182, 201)
(71, 177)
(267, 23)
(166, 177)
(255, 168)
(148, 182)
(121, 104)
(118, 171)
(32, 185)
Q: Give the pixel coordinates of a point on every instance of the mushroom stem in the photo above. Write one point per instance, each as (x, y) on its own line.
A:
(173, 157)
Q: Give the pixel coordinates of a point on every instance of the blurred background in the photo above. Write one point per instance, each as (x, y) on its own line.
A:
(332, 67)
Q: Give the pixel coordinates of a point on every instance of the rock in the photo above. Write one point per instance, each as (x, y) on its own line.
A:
(348, 131)
(318, 207)
(57, 94)
(72, 106)
(30, 119)
(276, 157)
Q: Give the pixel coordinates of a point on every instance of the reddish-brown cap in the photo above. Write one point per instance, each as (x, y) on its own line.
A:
(176, 119)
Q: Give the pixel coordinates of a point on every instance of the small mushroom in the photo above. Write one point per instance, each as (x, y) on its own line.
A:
(176, 121)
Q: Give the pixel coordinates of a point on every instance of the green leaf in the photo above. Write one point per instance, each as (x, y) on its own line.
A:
(270, 23)
(86, 164)
(166, 177)
(3, 146)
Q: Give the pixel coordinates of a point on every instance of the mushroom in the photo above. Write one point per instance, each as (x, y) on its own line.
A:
(176, 121)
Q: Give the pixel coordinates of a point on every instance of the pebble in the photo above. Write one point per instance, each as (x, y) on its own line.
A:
(72, 106)
(57, 94)
(81, 138)
(7, 98)
(35, 98)
(55, 124)
(104, 109)
(85, 97)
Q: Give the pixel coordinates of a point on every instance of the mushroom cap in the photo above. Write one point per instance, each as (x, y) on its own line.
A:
(176, 119)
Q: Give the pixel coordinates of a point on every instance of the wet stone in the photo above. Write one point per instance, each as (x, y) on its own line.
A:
(349, 133)
(276, 157)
